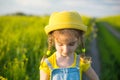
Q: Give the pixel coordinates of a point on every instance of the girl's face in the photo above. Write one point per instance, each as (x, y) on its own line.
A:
(65, 45)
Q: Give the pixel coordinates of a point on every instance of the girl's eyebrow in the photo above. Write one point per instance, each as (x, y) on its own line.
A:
(72, 42)
(68, 43)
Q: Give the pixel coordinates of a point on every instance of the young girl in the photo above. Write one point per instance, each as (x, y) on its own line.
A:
(65, 31)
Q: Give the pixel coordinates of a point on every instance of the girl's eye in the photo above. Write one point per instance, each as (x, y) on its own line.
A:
(60, 44)
(72, 44)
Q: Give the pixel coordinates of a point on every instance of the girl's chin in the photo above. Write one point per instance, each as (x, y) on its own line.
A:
(65, 54)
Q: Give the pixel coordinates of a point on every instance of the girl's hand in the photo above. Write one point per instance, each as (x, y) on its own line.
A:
(85, 59)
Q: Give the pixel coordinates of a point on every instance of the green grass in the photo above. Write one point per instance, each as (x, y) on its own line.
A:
(22, 44)
(109, 47)
(112, 20)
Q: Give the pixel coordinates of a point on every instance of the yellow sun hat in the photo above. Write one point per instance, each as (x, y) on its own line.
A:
(65, 20)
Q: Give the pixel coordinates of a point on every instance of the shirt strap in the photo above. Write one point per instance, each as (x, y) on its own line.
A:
(49, 64)
(78, 61)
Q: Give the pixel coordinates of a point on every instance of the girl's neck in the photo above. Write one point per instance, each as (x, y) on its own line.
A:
(64, 61)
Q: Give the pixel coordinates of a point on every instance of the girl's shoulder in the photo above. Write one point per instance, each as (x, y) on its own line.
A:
(52, 57)
(84, 63)
(44, 66)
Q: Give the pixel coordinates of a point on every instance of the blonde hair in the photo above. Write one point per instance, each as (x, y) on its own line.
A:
(70, 33)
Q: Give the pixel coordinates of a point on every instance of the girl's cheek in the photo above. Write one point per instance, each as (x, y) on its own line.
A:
(58, 48)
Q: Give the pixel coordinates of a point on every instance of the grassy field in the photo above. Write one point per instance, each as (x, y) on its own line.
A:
(22, 44)
(109, 47)
(112, 20)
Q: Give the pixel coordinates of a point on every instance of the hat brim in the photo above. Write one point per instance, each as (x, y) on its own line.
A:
(50, 28)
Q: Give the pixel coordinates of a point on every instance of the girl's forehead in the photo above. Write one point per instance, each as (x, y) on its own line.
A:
(66, 35)
(65, 39)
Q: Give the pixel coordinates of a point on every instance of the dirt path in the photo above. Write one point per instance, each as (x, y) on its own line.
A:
(112, 30)
(93, 52)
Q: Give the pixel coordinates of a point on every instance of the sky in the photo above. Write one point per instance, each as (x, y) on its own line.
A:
(94, 8)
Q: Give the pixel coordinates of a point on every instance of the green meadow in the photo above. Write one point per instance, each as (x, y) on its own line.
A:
(109, 47)
(23, 42)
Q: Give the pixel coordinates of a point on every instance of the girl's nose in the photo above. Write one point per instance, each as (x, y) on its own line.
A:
(66, 49)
